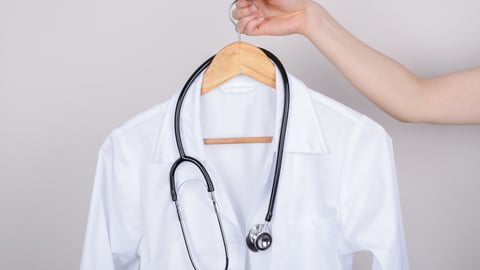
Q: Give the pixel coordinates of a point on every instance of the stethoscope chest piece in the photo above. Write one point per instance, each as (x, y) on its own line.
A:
(259, 238)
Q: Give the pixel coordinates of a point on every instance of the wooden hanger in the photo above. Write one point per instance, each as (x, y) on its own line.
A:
(235, 59)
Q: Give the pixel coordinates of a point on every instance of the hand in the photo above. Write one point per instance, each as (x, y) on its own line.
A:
(448, 99)
(272, 17)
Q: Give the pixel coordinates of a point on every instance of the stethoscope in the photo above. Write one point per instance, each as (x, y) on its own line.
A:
(259, 238)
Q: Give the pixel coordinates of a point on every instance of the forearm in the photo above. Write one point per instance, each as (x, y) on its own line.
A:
(448, 99)
(379, 78)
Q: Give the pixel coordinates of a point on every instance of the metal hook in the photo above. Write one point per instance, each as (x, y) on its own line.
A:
(235, 23)
(230, 10)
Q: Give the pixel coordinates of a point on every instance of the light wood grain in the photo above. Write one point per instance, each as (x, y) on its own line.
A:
(235, 59)
(266, 139)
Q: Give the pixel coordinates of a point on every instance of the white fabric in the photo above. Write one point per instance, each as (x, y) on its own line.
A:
(337, 194)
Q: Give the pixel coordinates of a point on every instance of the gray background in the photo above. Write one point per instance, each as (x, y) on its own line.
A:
(71, 71)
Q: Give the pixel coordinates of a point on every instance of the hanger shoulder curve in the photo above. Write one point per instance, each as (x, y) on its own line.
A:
(238, 58)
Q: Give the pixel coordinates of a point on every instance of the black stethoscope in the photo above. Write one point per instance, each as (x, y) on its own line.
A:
(259, 237)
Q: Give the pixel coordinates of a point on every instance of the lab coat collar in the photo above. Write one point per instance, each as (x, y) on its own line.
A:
(304, 131)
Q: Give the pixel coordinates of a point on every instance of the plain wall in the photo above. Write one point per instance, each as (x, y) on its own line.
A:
(71, 71)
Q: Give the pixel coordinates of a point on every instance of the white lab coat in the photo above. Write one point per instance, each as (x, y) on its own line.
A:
(337, 193)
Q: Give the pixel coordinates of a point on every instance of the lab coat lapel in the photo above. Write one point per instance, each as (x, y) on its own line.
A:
(304, 135)
(304, 130)
(190, 127)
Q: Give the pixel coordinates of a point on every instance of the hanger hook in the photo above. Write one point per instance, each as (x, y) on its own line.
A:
(230, 10)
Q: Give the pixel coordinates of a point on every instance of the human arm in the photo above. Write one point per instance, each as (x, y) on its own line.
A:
(449, 99)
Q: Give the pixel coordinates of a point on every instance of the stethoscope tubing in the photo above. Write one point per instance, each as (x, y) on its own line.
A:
(283, 131)
(220, 225)
(184, 158)
(180, 99)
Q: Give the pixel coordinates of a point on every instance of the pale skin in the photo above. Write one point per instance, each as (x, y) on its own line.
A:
(448, 99)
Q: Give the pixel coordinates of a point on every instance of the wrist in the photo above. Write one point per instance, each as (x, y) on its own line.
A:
(317, 22)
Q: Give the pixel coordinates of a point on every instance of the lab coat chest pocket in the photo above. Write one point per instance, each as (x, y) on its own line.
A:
(305, 226)
(308, 187)
(305, 243)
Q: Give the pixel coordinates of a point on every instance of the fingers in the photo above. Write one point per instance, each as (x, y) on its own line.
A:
(249, 17)
(243, 22)
(244, 8)
(250, 25)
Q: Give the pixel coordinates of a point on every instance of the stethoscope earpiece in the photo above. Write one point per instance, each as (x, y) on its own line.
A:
(259, 238)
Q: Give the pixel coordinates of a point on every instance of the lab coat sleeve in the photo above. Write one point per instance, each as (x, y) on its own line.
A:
(370, 213)
(114, 229)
